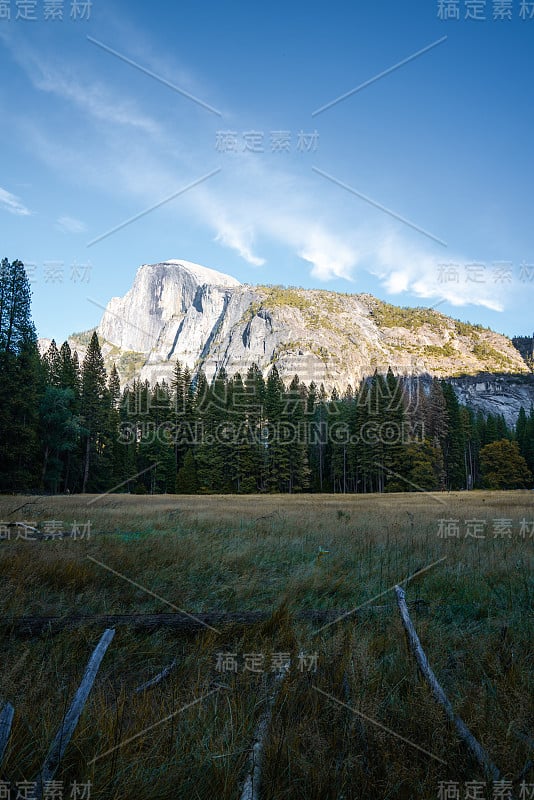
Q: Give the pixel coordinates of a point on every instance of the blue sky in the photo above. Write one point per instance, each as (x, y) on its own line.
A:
(417, 187)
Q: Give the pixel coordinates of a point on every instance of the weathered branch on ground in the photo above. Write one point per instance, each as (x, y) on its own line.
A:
(36, 534)
(473, 745)
(157, 678)
(70, 720)
(6, 720)
(18, 508)
(252, 784)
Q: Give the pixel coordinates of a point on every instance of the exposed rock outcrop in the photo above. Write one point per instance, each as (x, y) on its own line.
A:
(177, 310)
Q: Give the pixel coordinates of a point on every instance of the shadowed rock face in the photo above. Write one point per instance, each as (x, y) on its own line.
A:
(177, 310)
(497, 394)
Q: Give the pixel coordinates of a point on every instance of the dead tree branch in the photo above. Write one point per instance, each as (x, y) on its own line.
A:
(6, 719)
(474, 746)
(69, 722)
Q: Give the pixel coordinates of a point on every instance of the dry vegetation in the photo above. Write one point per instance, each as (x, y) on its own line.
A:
(230, 553)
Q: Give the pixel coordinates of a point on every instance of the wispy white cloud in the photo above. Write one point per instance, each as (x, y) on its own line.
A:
(255, 201)
(13, 204)
(50, 75)
(329, 258)
(96, 100)
(408, 268)
(331, 252)
(236, 238)
(71, 225)
(252, 201)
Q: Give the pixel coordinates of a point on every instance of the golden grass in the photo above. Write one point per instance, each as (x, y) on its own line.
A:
(261, 552)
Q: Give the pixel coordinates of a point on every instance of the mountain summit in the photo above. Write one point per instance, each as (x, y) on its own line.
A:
(177, 310)
(151, 312)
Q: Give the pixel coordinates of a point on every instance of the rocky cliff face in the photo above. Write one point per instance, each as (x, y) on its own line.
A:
(177, 310)
(497, 394)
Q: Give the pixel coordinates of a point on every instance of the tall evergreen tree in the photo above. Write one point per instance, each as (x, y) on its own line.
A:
(94, 411)
(69, 371)
(22, 382)
(16, 325)
(52, 366)
(278, 471)
(59, 435)
(299, 470)
(394, 432)
(454, 444)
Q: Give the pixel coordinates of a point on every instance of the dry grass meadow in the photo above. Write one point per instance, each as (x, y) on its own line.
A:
(228, 553)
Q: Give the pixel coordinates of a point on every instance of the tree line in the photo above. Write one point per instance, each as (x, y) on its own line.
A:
(69, 427)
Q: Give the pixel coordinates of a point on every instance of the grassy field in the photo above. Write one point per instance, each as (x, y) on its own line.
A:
(228, 553)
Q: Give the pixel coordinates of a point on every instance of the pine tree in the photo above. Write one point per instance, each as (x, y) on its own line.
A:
(247, 456)
(319, 438)
(59, 434)
(471, 446)
(127, 440)
(215, 450)
(21, 389)
(52, 366)
(373, 401)
(524, 434)
(299, 470)
(69, 371)
(117, 450)
(180, 388)
(278, 472)
(341, 465)
(164, 476)
(114, 387)
(16, 325)
(22, 382)
(186, 436)
(436, 421)
(144, 435)
(393, 432)
(94, 407)
(186, 481)
(453, 451)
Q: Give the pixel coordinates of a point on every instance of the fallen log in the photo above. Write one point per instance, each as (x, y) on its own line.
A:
(34, 626)
(183, 623)
(68, 725)
(473, 745)
(252, 784)
(6, 719)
